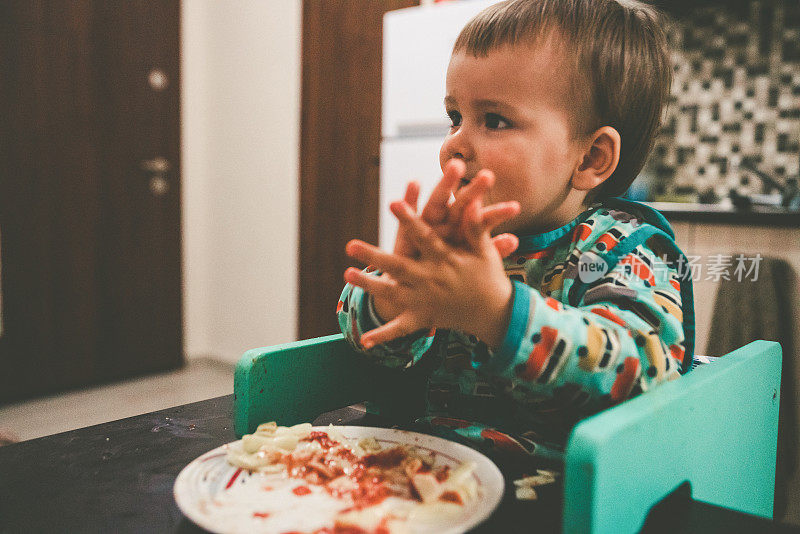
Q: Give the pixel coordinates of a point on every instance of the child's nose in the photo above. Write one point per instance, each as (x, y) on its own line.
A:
(458, 145)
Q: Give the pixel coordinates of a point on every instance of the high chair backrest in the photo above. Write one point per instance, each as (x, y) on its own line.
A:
(715, 427)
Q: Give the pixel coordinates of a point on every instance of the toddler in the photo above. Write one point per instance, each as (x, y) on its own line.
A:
(535, 298)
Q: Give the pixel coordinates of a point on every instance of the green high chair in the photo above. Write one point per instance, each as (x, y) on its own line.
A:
(715, 428)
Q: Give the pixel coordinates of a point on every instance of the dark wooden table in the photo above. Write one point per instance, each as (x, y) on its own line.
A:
(118, 477)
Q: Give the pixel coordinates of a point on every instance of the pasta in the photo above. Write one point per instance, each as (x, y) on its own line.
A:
(382, 488)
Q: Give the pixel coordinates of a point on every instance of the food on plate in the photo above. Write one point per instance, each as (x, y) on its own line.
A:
(524, 487)
(379, 489)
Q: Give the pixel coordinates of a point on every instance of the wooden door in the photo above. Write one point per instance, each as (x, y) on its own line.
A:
(340, 147)
(89, 192)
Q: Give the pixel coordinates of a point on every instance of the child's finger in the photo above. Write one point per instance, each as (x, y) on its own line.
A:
(496, 214)
(505, 244)
(472, 226)
(401, 244)
(376, 285)
(423, 236)
(477, 188)
(398, 327)
(435, 211)
(412, 195)
(398, 266)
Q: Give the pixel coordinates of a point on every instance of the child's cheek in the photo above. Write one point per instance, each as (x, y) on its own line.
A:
(504, 162)
(507, 153)
(552, 160)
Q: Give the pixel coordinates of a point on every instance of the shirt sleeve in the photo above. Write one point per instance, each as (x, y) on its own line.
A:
(356, 316)
(623, 337)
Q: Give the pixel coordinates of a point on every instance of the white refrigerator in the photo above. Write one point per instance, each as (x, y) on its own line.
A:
(417, 42)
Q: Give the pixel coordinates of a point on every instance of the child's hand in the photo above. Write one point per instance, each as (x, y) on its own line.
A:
(447, 286)
(445, 218)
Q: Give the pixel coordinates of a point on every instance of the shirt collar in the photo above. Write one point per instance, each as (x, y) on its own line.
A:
(535, 242)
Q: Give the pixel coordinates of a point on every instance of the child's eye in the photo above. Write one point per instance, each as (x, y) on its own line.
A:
(496, 122)
(455, 118)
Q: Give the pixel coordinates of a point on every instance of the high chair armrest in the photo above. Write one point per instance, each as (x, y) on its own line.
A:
(715, 427)
(295, 382)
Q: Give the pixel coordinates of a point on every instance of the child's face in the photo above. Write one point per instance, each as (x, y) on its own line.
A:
(511, 113)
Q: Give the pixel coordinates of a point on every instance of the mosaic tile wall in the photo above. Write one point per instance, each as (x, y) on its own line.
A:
(735, 103)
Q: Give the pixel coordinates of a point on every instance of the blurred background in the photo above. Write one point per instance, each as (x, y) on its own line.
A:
(732, 131)
(179, 180)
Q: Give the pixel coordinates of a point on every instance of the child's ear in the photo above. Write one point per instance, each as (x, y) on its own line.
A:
(600, 159)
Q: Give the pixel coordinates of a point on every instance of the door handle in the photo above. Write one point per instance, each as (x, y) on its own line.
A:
(157, 168)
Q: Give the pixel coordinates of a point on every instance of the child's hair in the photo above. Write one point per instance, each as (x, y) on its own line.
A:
(620, 47)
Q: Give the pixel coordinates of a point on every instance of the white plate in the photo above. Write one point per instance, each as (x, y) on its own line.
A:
(225, 499)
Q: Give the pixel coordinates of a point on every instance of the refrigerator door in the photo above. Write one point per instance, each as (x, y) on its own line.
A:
(403, 160)
(417, 42)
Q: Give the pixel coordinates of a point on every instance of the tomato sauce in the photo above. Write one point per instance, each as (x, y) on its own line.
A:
(388, 458)
(322, 438)
(442, 474)
(451, 496)
(368, 476)
(301, 490)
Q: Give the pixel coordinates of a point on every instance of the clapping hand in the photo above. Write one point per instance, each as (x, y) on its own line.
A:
(446, 270)
(445, 218)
